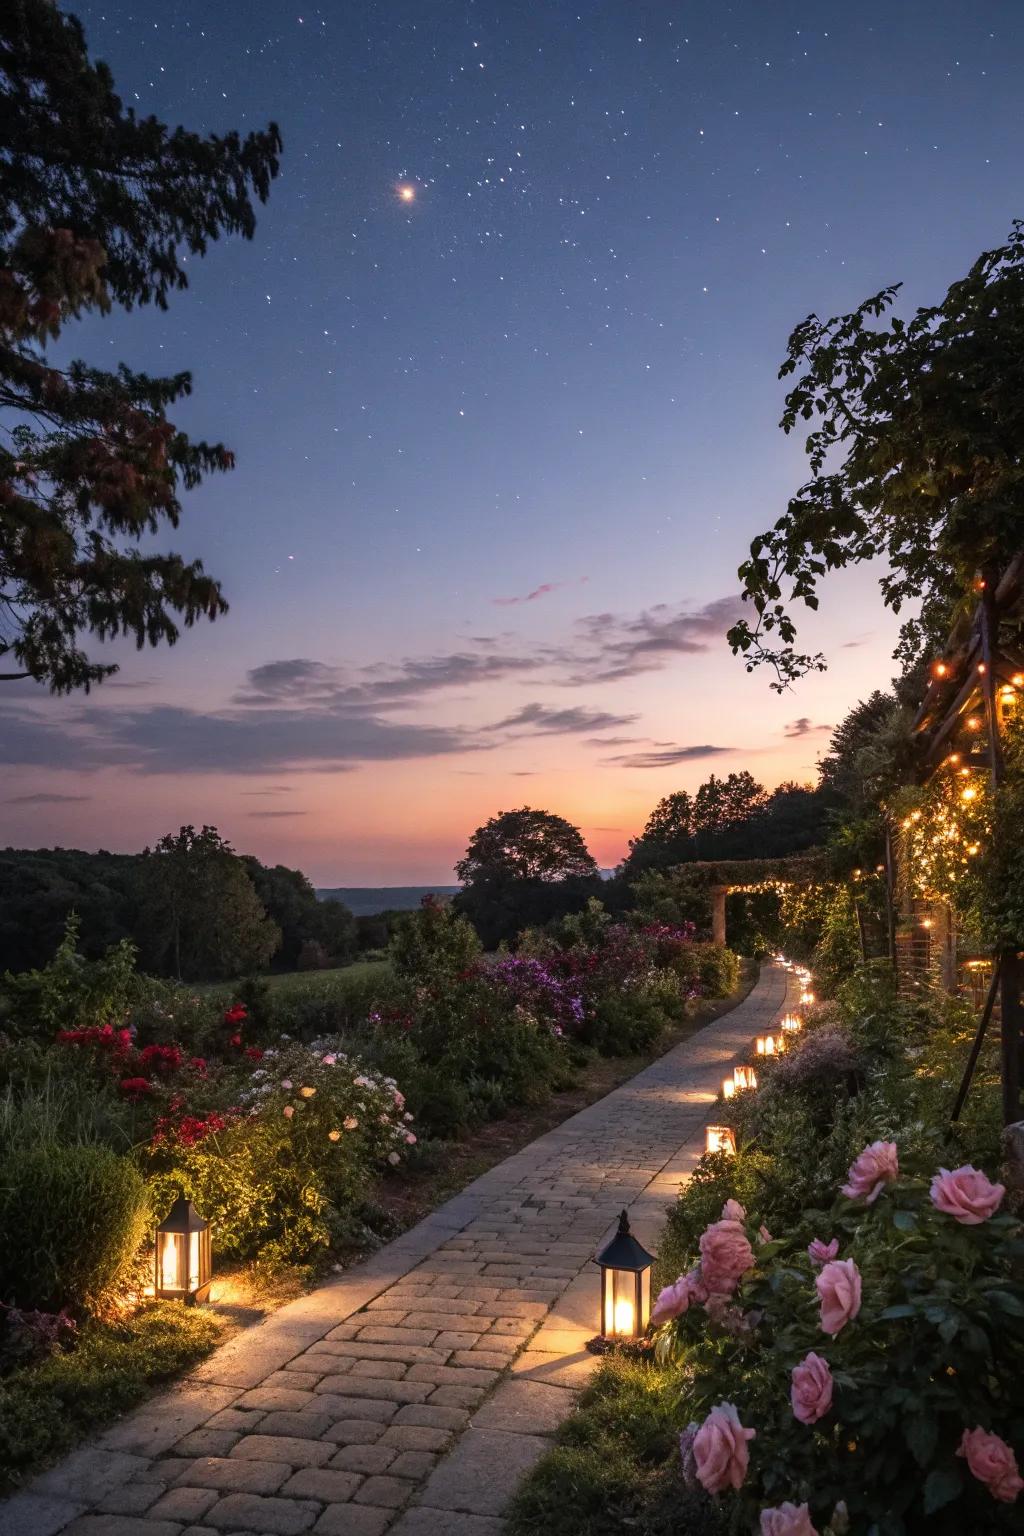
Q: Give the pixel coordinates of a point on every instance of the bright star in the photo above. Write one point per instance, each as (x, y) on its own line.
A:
(406, 193)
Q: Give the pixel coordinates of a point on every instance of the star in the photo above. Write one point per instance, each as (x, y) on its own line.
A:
(406, 193)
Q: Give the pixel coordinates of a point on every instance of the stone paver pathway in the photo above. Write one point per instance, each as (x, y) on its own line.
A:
(413, 1393)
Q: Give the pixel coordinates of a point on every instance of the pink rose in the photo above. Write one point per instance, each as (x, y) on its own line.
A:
(675, 1299)
(787, 1520)
(288, 1111)
(733, 1211)
(966, 1195)
(992, 1462)
(838, 1287)
(764, 1234)
(725, 1254)
(876, 1166)
(720, 1450)
(811, 1390)
(821, 1253)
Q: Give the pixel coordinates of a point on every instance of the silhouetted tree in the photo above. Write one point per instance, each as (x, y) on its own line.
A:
(97, 208)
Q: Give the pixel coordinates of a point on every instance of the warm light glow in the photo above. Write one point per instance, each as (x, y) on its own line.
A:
(728, 1088)
(406, 193)
(807, 997)
(940, 669)
(969, 793)
(981, 667)
(926, 922)
(169, 1263)
(624, 1317)
(744, 1077)
(1018, 679)
(973, 723)
(720, 1138)
(765, 1045)
(792, 1023)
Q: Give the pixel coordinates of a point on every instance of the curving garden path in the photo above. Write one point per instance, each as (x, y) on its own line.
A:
(411, 1394)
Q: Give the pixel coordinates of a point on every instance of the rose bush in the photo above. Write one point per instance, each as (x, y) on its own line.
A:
(881, 1372)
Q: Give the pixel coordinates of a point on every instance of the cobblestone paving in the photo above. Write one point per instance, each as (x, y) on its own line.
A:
(412, 1394)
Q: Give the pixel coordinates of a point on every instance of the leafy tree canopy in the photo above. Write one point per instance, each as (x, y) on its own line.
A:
(97, 207)
(525, 845)
(205, 920)
(916, 449)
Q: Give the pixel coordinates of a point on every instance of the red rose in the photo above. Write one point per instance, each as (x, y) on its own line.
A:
(254, 1053)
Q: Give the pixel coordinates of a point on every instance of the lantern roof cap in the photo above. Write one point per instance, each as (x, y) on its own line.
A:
(183, 1217)
(624, 1252)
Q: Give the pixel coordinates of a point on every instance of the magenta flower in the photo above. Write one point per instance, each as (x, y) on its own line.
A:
(838, 1288)
(811, 1390)
(993, 1463)
(787, 1520)
(821, 1253)
(876, 1166)
(725, 1255)
(966, 1195)
(720, 1450)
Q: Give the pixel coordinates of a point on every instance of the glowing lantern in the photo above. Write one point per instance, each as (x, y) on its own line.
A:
(720, 1138)
(744, 1077)
(183, 1261)
(765, 1045)
(625, 1285)
(792, 1023)
(807, 997)
(728, 1087)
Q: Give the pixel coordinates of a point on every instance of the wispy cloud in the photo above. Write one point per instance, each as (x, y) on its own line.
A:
(45, 799)
(667, 758)
(274, 815)
(539, 720)
(612, 646)
(804, 727)
(543, 590)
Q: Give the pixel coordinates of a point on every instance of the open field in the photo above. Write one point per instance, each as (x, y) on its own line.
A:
(314, 983)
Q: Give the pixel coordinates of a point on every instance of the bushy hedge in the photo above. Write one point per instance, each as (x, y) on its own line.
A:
(71, 1219)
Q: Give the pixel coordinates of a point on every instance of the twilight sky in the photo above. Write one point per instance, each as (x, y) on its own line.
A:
(502, 445)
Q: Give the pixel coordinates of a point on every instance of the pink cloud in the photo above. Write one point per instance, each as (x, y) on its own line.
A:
(541, 591)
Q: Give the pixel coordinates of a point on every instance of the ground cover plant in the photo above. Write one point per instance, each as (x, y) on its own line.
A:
(846, 1287)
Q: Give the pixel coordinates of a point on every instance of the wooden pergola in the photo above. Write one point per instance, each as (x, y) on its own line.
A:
(974, 688)
(726, 877)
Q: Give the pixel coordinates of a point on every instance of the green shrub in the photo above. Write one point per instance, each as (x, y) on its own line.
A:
(433, 944)
(282, 1175)
(72, 1219)
(624, 1025)
(46, 1408)
(718, 969)
(71, 990)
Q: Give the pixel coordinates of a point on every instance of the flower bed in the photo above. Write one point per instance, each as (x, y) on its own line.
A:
(840, 1330)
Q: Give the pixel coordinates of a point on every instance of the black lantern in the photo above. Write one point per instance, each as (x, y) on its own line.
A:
(625, 1285)
(183, 1263)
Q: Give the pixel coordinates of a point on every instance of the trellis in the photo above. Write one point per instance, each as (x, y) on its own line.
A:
(974, 688)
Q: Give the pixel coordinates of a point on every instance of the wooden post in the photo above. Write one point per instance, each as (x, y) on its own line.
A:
(1011, 1024)
(890, 891)
(718, 895)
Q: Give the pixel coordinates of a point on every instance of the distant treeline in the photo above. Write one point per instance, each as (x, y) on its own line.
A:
(375, 900)
(192, 905)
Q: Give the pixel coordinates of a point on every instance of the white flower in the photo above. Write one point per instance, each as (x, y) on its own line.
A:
(393, 1158)
(286, 1082)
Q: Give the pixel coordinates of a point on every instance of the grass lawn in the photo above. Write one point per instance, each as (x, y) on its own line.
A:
(312, 983)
